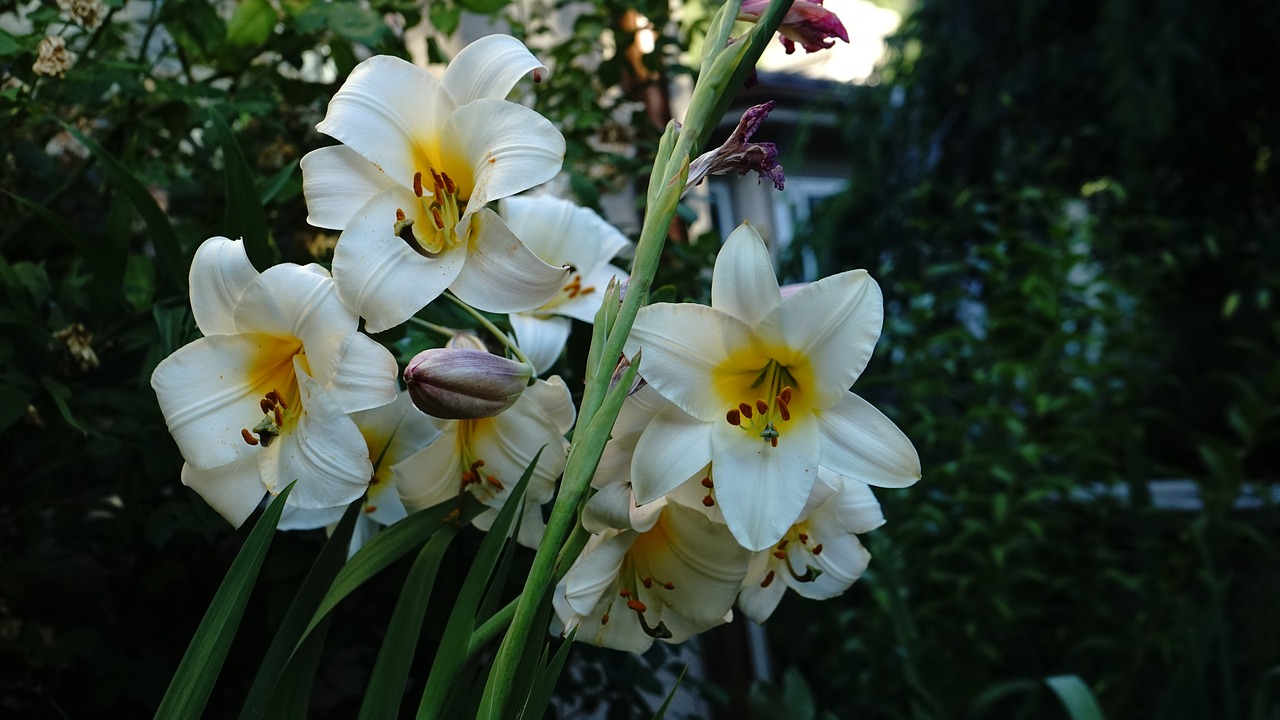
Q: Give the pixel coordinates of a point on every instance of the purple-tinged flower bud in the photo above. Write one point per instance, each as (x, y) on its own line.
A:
(807, 23)
(739, 155)
(464, 384)
(466, 340)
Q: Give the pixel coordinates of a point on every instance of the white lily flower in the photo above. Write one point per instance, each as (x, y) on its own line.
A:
(562, 233)
(820, 556)
(392, 433)
(262, 399)
(419, 160)
(487, 456)
(762, 385)
(674, 580)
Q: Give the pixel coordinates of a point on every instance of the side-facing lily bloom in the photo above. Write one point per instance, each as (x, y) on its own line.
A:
(562, 233)
(807, 23)
(487, 456)
(392, 433)
(820, 556)
(419, 160)
(676, 579)
(262, 399)
(763, 386)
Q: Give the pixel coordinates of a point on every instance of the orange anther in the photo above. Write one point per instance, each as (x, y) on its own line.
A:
(399, 215)
(784, 412)
(279, 416)
(786, 394)
(248, 436)
(448, 184)
(370, 509)
(783, 545)
(817, 549)
(437, 216)
(604, 619)
(773, 441)
(706, 482)
(669, 585)
(624, 593)
(780, 554)
(279, 399)
(648, 582)
(708, 501)
(266, 405)
(417, 184)
(804, 539)
(494, 481)
(636, 605)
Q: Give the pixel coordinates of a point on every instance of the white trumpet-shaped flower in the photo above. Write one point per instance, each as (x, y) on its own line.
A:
(562, 233)
(487, 456)
(262, 399)
(676, 579)
(762, 388)
(820, 556)
(419, 160)
(392, 433)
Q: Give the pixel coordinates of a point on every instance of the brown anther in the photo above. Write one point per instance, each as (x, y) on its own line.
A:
(370, 509)
(604, 619)
(768, 580)
(279, 399)
(762, 406)
(647, 582)
(786, 394)
(438, 180)
(708, 501)
(266, 405)
(494, 481)
(448, 184)
(706, 482)
(804, 539)
(399, 215)
(783, 545)
(624, 593)
(745, 409)
(477, 464)
(469, 477)
(773, 441)
(780, 554)
(279, 415)
(437, 216)
(248, 436)
(669, 585)
(733, 417)
(588, 289)
(817, 549)
(784, 412)
(636, 605)
(417, 184)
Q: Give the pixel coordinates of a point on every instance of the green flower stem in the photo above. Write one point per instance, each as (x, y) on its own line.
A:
(497, 333)
(671, 168)
(438, 329)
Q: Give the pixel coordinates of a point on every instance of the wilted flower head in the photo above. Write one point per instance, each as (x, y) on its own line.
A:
(53, 59)
(463, 383)
(739, 155)
(807, 23)
(87, 12)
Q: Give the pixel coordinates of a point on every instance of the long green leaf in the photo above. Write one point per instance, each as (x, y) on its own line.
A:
(91, 252)
(169, 256)
(455, 643)
(291, 699)
(662, 710)
(391, 669)
(330, 560)
(544, 687)
(244, 215)
(189, 690)
(1076, 697)
(390, 545)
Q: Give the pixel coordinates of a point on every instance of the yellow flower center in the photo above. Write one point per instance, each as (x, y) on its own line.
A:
(764, 408)
(443, 208)
(481, 483)
(273, 368)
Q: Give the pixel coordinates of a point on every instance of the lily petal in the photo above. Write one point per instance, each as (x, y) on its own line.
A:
(837, 342)
(541, 339)
(859, 442)
(489, 68)
(856, 507)
(210, 389)
(561, 232)
(234, 490)
(501, 274)
(684, 345)
(595, 571)
(379, 113)
(672, 449)
(761, 489)
(379, 275)
(584, 306)
(509, 148)
(365, 376)
(431, 475)
(757, 600)
(702, 560)
(324, 452)
(336, 182)
(743, 283)
(220, 273)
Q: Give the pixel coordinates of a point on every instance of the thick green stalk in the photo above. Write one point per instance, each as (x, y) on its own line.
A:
(667, 181)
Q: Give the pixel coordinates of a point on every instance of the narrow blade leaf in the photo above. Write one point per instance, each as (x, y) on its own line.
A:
(1076, 697)
(245, 216)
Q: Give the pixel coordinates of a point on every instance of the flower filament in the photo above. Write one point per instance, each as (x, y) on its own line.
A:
(763, 418)
(443, 206)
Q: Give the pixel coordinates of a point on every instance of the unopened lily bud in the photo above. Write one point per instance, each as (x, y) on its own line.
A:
(466, 341)
(463, 383)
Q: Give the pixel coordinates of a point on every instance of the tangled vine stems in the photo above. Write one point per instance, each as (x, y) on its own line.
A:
(723, 68)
